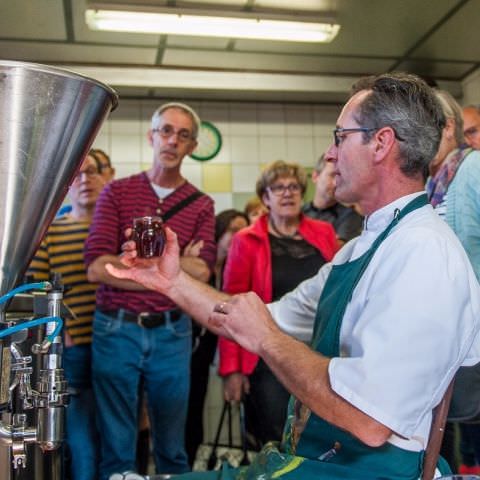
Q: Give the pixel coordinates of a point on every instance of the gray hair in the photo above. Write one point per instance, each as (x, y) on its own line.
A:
(408, 105)
(451, 109)
(177, 106)
(280, 169)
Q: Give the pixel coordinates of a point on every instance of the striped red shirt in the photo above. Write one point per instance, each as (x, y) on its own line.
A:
(119, 203)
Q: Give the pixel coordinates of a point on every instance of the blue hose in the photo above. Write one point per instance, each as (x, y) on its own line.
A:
(25, 288)
(34, 323)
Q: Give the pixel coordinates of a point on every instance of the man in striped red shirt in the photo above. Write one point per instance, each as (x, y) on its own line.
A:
(139, 335)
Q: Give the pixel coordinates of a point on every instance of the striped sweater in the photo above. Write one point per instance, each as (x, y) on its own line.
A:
(127, 198)
(62, 251)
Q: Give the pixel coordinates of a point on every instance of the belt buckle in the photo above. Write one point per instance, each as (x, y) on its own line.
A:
(140, 318)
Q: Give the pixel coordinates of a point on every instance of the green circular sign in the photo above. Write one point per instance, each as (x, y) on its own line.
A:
(209, 142)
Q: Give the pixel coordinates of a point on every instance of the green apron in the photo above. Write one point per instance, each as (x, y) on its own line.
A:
(313, 448)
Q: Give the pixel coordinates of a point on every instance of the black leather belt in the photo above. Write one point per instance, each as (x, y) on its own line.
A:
(145, 319)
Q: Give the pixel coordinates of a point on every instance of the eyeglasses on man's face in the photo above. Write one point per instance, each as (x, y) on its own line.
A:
(280, 189)
(166, 131)
(340, 133)
(90, 172)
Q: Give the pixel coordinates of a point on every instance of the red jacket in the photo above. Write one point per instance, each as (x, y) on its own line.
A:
(249, 268)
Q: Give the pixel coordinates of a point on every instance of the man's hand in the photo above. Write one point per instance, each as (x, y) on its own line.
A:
(157, 273)
(246, 319)
(234, 386)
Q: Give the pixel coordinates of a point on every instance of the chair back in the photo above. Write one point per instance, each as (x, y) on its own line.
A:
(439, 418)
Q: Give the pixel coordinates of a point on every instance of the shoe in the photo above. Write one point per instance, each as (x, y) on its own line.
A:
(128, 475)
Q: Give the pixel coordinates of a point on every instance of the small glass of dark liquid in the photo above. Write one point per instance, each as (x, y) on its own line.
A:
(149, 236)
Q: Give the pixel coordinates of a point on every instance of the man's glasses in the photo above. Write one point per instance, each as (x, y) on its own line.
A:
(280, 190)
(90, 172)
(183, 135)
(340, 133)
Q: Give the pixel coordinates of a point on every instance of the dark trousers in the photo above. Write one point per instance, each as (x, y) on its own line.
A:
(265, 406)
(470, 443)
(203, 351)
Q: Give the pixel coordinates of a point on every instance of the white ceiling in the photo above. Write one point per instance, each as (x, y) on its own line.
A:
(433, 38)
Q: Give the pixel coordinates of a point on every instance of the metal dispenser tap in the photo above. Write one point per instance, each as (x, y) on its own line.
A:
(51, 396)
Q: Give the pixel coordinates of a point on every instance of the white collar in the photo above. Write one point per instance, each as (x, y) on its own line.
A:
(374, 225)
(381, 218)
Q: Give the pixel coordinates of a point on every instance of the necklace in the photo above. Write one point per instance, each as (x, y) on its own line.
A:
(280, 234)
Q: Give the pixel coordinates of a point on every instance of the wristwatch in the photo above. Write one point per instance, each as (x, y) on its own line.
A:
(209, 142)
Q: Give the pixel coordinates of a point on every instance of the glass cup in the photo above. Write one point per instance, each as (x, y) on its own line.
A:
(149, 236)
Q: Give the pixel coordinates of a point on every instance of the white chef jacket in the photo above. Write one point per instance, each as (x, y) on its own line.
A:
(413, 320)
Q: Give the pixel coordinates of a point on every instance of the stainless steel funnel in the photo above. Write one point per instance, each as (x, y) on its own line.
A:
(48, 120)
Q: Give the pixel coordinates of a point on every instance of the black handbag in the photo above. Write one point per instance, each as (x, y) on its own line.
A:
(218, 455)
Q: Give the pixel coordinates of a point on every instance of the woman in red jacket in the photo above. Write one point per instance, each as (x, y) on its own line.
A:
(271, 257)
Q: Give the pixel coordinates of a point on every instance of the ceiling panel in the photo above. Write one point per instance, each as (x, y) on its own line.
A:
(272, 62)
(63, 52)
(312, 5)
(29, 19)
(458, 38)
(382, 27)
(429, 68)
(334, 98)
(197, 42)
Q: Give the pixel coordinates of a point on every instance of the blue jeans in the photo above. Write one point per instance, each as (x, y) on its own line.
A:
(81, 431)
(122, 354)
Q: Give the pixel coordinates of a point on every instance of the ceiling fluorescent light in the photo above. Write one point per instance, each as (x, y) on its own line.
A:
(211, 25)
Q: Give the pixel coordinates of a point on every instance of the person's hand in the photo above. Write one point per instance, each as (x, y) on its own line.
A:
(193, 248)
(246, 320)
(234, 386)
(156, 273)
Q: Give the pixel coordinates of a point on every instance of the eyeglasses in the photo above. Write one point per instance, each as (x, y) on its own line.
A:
(340, 133)
(280, 190)
(183, 135)
(89, 172)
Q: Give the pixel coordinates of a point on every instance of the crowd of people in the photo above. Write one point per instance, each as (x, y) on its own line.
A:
(339, 322)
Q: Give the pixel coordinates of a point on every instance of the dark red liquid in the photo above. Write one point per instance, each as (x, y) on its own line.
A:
(149, 236)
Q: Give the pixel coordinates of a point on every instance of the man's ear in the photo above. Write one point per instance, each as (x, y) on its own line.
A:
(150, 137)
(384, 142)
(315, 176)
